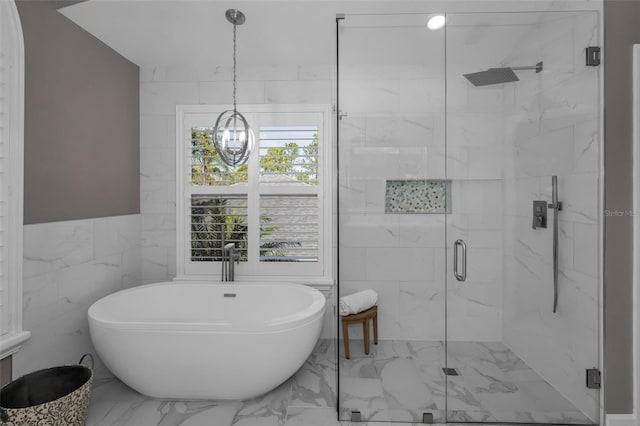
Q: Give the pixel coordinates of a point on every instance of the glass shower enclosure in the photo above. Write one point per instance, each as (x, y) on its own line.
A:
(468, 182)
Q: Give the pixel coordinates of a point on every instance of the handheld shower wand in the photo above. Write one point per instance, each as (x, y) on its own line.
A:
(556, 206)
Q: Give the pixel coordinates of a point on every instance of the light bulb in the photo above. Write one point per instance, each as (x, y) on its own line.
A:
(436, 22)
(225, 138)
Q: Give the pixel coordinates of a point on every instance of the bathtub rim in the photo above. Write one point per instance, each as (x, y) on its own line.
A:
(311, 313)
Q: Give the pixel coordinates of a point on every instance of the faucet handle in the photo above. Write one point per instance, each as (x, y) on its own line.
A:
(539, 214)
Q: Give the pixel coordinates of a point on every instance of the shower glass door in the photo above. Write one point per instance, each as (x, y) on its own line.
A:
(468, 200)
(391, 161)
(522, 325)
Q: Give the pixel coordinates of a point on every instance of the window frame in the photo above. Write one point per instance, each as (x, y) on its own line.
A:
(189, 116)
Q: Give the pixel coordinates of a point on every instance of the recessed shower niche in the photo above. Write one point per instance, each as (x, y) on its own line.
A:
(418, 196)
(437, 176)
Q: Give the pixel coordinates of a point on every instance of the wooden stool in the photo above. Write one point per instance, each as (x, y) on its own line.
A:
(363, 317)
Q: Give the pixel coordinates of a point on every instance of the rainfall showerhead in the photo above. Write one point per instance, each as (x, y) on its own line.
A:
(498, 75)
(492, 76)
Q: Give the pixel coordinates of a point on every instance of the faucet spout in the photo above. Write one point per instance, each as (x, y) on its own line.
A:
(229, 256)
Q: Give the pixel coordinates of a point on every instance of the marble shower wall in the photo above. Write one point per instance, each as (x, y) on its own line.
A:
(552, 129)
(394, 95)
(161, 89)
(68, 266)
(475, 139)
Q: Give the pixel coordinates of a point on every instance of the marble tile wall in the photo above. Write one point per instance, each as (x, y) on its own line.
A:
(399, 256)
(396, 129)
(68, 266)
(161, 89)
(552, 129)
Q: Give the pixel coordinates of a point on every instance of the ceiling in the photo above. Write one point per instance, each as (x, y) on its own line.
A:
(171, 33)
(168, 33)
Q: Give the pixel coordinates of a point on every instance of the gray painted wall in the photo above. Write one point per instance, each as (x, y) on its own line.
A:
(82, 149)
(621, 31)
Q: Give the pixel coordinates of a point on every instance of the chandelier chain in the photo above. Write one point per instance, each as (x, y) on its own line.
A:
(234, 67)
(232, 136)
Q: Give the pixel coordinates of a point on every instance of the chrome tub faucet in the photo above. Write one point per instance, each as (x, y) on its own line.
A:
(230, 256)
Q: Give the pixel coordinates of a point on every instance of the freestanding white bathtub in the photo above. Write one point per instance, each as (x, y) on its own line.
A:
(191, 340)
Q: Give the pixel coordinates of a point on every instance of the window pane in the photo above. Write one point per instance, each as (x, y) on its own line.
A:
(289, 228)
(207, 168)
(216, 221)
(289, 155)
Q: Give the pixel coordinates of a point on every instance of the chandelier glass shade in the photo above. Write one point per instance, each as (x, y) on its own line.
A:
(232, 136)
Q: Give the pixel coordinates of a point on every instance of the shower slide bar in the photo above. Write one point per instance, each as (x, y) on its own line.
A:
(556, 206)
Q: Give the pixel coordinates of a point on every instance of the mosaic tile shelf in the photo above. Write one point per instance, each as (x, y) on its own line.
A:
(418, 196)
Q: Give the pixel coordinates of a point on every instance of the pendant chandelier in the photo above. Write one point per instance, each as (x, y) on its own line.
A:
(233, 138)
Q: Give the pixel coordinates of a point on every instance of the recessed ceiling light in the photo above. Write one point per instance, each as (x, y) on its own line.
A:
(436, 22)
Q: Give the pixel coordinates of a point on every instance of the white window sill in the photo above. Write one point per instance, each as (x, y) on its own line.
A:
(322, 284)
(11, 343)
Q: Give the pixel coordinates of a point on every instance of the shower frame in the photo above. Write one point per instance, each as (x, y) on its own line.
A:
(340, 114)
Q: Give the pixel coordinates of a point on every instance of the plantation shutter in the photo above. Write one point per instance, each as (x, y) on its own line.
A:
(215, 222)
(289, 228)
(289, 155)
(289, 210)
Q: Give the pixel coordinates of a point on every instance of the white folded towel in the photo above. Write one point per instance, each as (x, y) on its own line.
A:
(357, 302)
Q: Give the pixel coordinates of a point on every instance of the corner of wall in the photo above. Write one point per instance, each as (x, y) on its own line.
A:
(5, 370)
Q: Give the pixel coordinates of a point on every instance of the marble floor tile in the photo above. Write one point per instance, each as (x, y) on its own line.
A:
(299, 416)
(370, 416)
(473, 416)
(386, 349)
(460, 397)
(115, 403)
(158, 412)
(105, 412)
(492, 358)
(113, 390)
(270, 408)
(359, 394)
(494, 384)
(362, 368)
(313, 388)
(314, 385)
(395, 384)
(427, 353)
(571, 418)
(403, 385)
(415, 416)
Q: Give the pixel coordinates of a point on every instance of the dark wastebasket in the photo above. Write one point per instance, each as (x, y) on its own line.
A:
(54, 396)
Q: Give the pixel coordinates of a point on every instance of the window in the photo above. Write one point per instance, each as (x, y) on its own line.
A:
(275, 209)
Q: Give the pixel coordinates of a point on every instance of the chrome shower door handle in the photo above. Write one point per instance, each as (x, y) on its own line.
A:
(460, 244)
